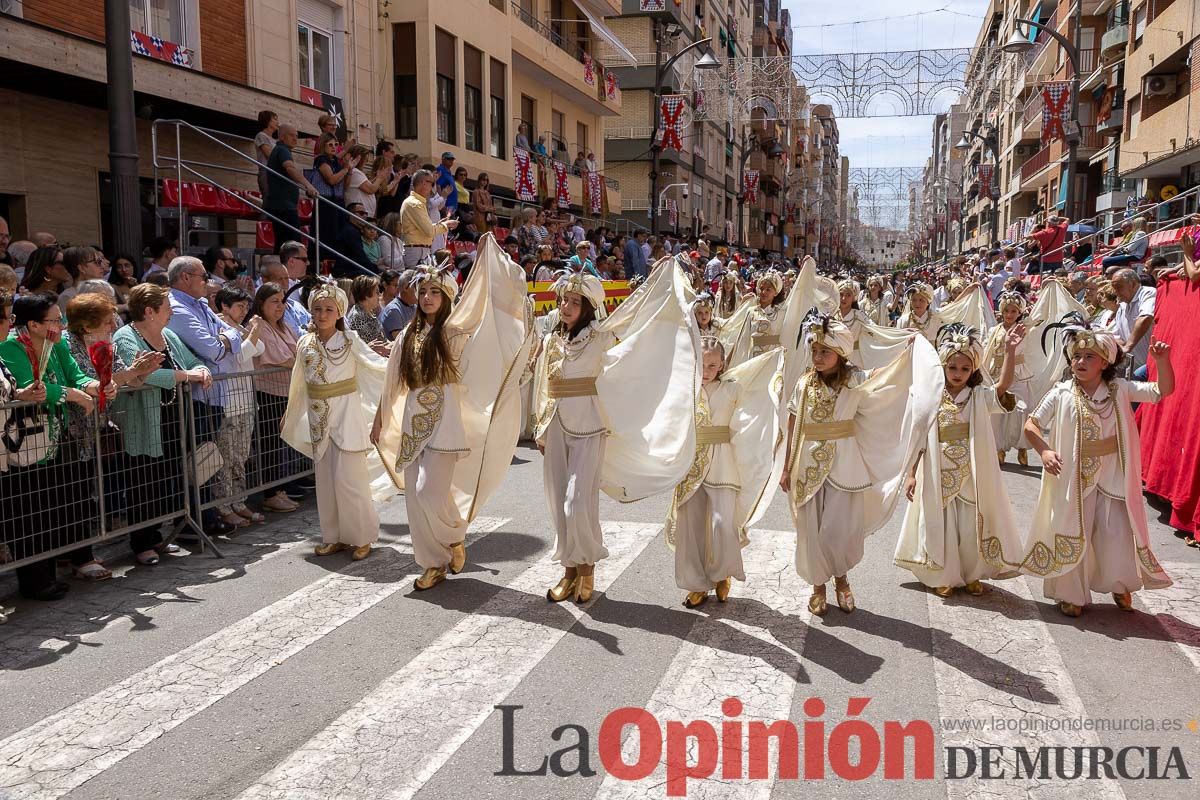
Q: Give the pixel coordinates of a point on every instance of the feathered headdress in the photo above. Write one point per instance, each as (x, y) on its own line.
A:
(585, 284)
(957, 338)
(327, 289)
(773, 278)
(705, 299)
(1013, 299)
(847, 285)
(823, 329)
(438, 275)
(923, 289)
(1077, 336)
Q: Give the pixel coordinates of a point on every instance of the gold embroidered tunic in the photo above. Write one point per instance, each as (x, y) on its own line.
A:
(566, 392)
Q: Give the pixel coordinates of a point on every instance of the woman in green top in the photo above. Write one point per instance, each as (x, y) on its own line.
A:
(55, 493)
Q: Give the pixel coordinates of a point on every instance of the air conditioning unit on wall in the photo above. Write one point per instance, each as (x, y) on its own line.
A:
(1155, 85)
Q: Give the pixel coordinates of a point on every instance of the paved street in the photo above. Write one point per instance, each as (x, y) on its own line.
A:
(274, 674)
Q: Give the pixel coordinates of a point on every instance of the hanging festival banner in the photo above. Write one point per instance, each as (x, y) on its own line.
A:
(594, 188)
(671, 112)
(523, 176)
(1056, 110)
(589, 70)
(161, 49)
(673, 213)
(653, 5)
(985, 180)
(610, 84)
(751, 185)
(562, 189)
(941, 223)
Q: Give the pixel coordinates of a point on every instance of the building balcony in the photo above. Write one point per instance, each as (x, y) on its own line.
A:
(1035, 164)
(541, 51)
(1113, 125)
(1113, 43)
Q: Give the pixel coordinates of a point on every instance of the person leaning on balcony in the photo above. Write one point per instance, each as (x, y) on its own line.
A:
(522, 141)
(284, 181)
(416, 228)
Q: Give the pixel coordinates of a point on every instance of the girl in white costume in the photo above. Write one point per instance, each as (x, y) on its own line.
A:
(918, 311)
(876, 303)
(711, 510)
(450, 416)
(849, 314)
(729, 295)
(616, 402)
(763, 322)
(1009, 428)
(331, 401)
(958, 528)
(842, 490)
(1089, 530)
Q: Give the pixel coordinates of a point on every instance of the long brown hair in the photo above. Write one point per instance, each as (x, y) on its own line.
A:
(839, 379)
(435, 365)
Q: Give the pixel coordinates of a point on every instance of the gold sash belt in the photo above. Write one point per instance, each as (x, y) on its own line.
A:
(767, 340)
(824, 431)
(572, 387)
(713, 434)
(1102, 447)
(1018, 360)
(326, 391)
(955, 432)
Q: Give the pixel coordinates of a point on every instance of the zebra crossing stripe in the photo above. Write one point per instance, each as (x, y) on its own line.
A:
(1178, 608)
(737, 653)
(398, 736)
(54, 756)
(998, 670)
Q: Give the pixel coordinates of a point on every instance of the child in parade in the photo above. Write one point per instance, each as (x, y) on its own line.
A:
(595, 431)
(736, 428)
(450, 415)
(958, 529)
(849, 313)
(1009, 427)
(841, 490)
(1089, 531)
(918, 314)
(331, 399)
(762, 324)
(877, 303)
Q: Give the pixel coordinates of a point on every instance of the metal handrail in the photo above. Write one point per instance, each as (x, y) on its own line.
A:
(182, 165)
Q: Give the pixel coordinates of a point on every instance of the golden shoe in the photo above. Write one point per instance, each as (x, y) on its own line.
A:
(1070, 609)
(361, 552)
(817, 603)
(458, 557)
(329, 548)
(723, 587)
(944, 591)
(561, 590)
(430, 578)
(976, 588)
(1023, 457)
(1124, 600)
(1000, 455)
(845, 599)
(583, 588)
(694, 599)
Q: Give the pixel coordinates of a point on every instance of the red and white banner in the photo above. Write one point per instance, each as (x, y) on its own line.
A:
(154, 47)
(941, 223)
(751, 185)
(589, 70)
(1056, 110)
(671, 112)
(985, 180)
(593, 186)
(523, 176)
(562, 189)
(653, 5)
(610, 84)
(673, 213)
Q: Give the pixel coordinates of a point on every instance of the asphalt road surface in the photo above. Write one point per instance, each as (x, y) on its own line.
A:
(275, 674)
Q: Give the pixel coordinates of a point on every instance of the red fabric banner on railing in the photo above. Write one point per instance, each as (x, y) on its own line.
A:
(562, 189)
(671, 113)
(751, 185)
(1056, 110)
(523, 176)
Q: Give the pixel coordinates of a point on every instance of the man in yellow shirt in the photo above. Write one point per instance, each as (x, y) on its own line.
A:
(416, 228)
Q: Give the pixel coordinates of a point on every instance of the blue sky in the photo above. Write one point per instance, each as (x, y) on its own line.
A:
(817, 28)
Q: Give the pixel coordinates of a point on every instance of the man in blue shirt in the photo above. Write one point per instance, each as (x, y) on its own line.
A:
(445, 173)
(635, 258)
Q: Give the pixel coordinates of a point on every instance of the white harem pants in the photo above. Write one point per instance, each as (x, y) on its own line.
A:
(571, 470)
(433, 519)
(707, 547)
(344, 503)
(964, 563)
(1109, 563)
(829, 534)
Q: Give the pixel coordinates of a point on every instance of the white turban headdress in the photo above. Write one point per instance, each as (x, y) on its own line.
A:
(818, 328)
(328, 290)
(585, 284)
(959, 339)
(437, 275)
(1078, 337)
(774, 278)
(1015, 299)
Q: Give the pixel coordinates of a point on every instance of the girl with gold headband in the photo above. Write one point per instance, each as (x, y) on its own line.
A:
(596, 431)
(958, 528)
(1009, 428)
(335, 383)
(876, 303)
(848, 313)
(1089, 528)
(851, 439)
(729, 294)
(448, 423)
(762, 324)
(918, 311)
(713, 508)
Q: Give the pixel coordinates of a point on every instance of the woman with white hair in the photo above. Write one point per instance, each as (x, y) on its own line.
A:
(959, 527)
(448, 421)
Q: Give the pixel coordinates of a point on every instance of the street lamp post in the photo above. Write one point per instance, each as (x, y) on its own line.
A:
(1020, 44)
(706, 61)
(993, 147)
(122, 134)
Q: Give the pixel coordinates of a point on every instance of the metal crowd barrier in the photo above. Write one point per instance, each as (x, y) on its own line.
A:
(76, 481)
